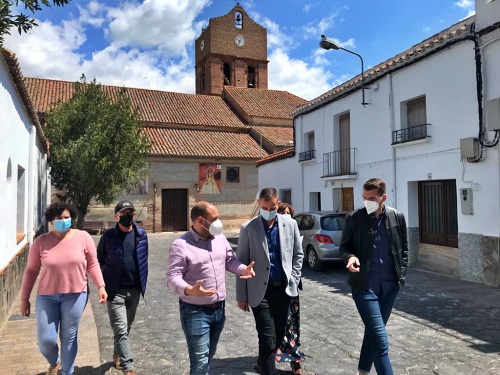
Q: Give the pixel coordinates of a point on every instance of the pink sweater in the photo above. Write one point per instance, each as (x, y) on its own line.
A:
(64, 265)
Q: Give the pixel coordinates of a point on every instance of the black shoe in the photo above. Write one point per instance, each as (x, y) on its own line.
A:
(257, 368)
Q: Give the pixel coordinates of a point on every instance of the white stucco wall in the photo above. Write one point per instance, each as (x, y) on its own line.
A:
(18, 136)
(447, 79)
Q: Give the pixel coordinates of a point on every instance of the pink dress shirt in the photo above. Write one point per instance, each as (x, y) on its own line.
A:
(191, 259)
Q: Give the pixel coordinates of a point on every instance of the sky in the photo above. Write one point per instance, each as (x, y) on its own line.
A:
(150, 43)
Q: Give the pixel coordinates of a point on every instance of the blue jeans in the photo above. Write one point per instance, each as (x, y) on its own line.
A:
(202, 327)
(121, 311)
(59, 313)
(375, 311)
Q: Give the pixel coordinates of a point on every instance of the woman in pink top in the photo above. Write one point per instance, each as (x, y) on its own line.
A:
(64, 256)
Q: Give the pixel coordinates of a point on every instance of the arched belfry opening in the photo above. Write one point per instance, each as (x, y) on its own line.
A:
(227, 74)
(251, 77)
(238, 20)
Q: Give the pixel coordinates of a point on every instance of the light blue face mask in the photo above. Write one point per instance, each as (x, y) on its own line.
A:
(267, 215)
(62, 225)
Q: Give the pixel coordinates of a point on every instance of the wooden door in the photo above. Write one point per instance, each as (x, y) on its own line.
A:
(344, 144)
(347, 199)
(174, 210)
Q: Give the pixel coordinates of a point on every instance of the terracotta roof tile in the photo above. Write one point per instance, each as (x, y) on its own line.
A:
(17, 76)
(277, 135)
(284, 154)
(203, 144)
(265, 103)
(154, 106)
(415, 53)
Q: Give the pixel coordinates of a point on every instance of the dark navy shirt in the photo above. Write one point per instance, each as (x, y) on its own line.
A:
(273, 244)
(130, 273)
(382, 277)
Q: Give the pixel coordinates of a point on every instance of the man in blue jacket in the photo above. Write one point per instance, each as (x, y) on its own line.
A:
(123, 255)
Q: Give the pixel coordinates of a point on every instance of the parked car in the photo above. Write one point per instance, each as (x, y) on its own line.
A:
(322, 231)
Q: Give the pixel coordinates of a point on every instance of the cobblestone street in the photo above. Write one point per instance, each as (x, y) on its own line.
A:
(440, 326)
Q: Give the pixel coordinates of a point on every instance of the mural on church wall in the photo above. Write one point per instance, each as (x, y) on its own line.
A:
(210, 178)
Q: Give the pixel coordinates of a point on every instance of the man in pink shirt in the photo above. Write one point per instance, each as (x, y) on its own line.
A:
(197, 265)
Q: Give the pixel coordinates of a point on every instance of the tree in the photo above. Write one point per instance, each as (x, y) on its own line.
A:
(21, 21)
(97, 147)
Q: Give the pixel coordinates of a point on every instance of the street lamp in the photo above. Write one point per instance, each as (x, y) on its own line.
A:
(328, 43)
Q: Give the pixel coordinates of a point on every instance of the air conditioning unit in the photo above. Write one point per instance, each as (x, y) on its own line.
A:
(493, 114)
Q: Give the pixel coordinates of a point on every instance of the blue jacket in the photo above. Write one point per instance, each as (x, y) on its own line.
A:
(110, 257)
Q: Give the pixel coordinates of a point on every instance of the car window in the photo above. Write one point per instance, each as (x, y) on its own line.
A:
(307, 222)
(332, 222)
(298, 219)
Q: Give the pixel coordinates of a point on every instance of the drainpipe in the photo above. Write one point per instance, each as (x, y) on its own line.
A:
(392, 126)
(31, 210)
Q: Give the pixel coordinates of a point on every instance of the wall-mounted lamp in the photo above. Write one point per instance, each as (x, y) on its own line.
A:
(197, 187)
(328, 43)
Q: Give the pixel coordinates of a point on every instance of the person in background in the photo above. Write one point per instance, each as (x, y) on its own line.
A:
(290, 346)
(123, 255)
(375, 247)
(64, 256)
(273, 242)
(196, 272)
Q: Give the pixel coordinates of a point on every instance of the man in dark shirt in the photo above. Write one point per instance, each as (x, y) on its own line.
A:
(375, 247)
(123, 255)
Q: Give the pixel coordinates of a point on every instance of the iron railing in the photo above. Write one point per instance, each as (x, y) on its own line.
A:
(410, 134)
(307, 155)
(339, 163)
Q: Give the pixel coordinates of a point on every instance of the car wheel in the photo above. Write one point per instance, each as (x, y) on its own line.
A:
(312, 259)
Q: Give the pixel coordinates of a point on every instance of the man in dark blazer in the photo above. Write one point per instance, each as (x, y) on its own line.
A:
(375, 247)
(272, 241)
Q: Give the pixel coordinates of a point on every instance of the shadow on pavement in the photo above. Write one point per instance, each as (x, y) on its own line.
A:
(456, 307)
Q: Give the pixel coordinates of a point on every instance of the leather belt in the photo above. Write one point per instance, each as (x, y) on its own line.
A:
(277, 282)
(216, 305)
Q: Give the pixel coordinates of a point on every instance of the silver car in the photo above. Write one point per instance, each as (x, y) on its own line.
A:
(322, 231)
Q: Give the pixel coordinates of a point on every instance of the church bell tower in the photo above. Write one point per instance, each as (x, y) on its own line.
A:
(231, 51)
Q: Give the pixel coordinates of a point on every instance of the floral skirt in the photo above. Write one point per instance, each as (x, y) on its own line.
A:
(289, 349)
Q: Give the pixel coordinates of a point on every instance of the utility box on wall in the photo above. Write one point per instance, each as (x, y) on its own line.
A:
(466, 201)
(469, 148)
(493, 114)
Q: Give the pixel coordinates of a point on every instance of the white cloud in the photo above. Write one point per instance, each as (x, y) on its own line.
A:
(467, 5)
(49, 50)
(150, 45)
(296, 76)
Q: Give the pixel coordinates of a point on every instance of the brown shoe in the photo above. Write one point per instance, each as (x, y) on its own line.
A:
(54, 369)
(296, 368)
(116, 360)
(129, 372)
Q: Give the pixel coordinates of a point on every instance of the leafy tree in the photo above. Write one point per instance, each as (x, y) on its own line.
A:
(96, 145)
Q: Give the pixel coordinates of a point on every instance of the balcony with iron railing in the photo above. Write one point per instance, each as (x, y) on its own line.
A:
(339, 163)
(307, 155)
(413, 133)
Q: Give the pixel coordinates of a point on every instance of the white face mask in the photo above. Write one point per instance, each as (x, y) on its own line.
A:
(215, 228)
(371, 206)
(267, 215)
(287, 215)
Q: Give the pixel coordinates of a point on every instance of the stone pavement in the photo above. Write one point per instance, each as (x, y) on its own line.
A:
(439, 326)
(19, 353)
